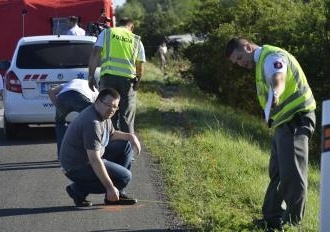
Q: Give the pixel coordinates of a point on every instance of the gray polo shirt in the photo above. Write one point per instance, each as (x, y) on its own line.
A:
(87, 131)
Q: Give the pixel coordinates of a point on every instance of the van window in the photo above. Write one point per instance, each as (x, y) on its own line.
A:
(61, 54)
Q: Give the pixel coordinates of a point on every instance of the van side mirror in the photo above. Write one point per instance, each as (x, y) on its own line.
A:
(4, 65)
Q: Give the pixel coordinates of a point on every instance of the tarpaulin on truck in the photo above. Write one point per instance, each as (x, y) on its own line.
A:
(20, 18)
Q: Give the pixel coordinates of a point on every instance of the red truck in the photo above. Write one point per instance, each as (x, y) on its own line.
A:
(19, 18)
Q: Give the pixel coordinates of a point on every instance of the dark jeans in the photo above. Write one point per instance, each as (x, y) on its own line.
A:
(70, 101)
(124, 118)
(117, 159)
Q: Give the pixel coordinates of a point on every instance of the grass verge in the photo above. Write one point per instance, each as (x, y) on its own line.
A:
(214, 159)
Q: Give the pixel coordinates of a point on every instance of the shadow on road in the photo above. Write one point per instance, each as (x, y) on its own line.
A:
(29, 165)
(30, 135)
(27, 211)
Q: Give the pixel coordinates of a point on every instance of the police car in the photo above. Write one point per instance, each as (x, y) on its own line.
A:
(38, 64)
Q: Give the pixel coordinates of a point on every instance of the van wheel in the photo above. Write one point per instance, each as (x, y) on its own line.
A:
(9, 129)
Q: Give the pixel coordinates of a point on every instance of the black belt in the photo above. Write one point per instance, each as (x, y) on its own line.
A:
(301, 119)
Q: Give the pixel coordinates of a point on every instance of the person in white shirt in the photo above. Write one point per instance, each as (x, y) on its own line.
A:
(74, 28)
(73, 96)
(162, 50)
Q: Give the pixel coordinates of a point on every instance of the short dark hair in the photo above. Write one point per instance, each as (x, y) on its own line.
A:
(73, 19)
(108, 91)
(125, 21)
(232, 44)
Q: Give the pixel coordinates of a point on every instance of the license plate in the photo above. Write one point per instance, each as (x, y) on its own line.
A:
(44, 87)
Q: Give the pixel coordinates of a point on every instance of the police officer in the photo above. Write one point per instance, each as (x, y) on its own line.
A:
(289, 105)
(122, 56)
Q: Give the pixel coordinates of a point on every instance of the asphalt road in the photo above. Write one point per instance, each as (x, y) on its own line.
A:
(33, 196)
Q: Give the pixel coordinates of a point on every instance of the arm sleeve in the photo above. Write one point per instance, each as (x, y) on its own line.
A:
(92, 136)
(141, 54)
(100, 40)
(275, 63)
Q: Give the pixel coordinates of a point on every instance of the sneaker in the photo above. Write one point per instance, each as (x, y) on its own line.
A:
(123, 200)
(78, 202)
(262, 224)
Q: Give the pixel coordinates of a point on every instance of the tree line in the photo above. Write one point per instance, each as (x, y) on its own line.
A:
(301, 27)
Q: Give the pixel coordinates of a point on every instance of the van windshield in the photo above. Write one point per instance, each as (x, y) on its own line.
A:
(63, 54)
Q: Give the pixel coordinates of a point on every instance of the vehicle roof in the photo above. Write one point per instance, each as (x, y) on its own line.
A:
(31, 39)
(185, 39)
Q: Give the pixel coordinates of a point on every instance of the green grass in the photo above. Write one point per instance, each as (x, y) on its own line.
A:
(214, 159)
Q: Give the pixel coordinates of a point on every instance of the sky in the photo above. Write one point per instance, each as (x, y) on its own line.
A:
(118, 2)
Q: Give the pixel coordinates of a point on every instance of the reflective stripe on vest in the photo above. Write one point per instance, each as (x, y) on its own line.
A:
(120, 51)
(297, 96)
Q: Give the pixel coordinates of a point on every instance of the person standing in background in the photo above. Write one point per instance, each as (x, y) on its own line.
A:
(122, 57)
(162, 50)
(74, 28)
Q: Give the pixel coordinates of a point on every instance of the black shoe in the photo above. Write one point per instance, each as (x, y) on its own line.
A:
(78, 202)
(267, 227)
(291, 223)
(123, 200)
(260, 223)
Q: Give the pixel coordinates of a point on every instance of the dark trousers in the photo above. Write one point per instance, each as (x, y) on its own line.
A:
(117, 160)
(288, 168)
(124, 118)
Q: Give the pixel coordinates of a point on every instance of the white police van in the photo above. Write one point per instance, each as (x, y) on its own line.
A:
(39, 63)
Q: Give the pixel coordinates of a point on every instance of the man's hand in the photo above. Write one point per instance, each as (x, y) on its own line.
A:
(278, 87)
(136, 143)
(91, 83)
(113, 194)
(119, 135)
(52, 93)
(136, 82)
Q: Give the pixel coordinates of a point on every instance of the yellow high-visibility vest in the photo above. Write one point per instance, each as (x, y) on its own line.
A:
(297, 96)
(120, 51)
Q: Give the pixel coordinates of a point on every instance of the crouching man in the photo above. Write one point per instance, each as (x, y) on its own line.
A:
(95, 156)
